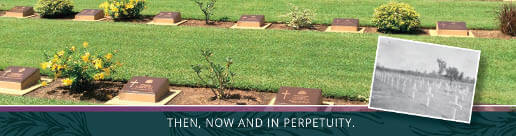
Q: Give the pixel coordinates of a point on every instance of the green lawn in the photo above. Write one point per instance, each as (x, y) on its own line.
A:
(19, 100)
(477, 14)
(340, 64)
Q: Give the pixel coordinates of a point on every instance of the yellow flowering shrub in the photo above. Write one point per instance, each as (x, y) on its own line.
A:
(396, 17)
(79, 66)
(123, 8)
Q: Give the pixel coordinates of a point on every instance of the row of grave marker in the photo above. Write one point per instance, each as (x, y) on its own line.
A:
(443, 28)
(144, 90)
(396, 80)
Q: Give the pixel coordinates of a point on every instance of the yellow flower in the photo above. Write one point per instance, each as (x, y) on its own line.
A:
(73, 48)
(45, 65)
(109, 56)
(60, 67)
(44, 83)
(54, 67)
(61, 53)
(85, 44)
(98, 63)
(86, 57)
(67, 82)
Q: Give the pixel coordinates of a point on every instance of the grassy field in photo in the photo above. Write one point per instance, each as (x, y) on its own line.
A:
(341, 64)
(476, 14)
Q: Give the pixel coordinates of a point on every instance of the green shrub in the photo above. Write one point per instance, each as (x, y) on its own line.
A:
(207, 7)
(79, 67)
(396, 17)
(507, 19)
(123, 8)
(54, 8)
(218, 76)
(299, 18)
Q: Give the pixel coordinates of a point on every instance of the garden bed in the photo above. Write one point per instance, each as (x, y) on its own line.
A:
(103, 91)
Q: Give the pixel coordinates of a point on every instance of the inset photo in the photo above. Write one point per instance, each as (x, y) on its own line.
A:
(424, 79)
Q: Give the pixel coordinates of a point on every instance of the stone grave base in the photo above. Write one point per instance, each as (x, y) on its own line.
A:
(24, 91)
(361, 30)
(172, 24)
(267, 25)
(434, 33)
(18, 16)
(116, 100)
(102, 19)
(323, 103)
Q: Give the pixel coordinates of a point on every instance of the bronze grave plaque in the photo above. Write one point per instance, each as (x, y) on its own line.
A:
(452, 28)
(20, 11)
(145, 89)
(167, 17)
(90, 15)
(19, 78)
(298, 96)
(344, 24)
(251, 21)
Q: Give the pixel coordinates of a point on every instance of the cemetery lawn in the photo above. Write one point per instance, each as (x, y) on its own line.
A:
(476, 14)
(19, 100)
(341, 64)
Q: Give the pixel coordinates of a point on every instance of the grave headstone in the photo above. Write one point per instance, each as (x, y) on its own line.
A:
(344, 24)
(145, 89)
(90, 15)
(251, 21)
(20, 11)
(298, 96)
(167, 17)
(452, 28)
(19, 78)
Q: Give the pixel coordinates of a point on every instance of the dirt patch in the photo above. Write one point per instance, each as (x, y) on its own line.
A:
(277, 26)
(103, 91)
(202, 23)
(204, 96)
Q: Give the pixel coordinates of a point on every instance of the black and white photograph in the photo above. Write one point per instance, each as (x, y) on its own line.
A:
(424, 79)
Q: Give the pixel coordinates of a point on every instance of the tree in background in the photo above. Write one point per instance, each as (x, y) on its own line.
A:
(451, 73)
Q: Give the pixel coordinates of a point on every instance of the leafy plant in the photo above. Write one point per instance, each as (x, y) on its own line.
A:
(54, 8)
(507, 18)
(79, 67)
(123, 8)
(299, 18)
(396, 17)
(207, 7)
(218, 76)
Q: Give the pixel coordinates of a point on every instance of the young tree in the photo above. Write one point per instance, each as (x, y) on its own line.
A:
(452, 73)
(207, 7)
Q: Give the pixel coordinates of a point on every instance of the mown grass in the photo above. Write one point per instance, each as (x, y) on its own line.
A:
(19, 100)
(340, 64)
(477, 14)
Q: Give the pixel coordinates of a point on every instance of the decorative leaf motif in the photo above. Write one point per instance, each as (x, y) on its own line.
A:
(500, 124)
(44, 124)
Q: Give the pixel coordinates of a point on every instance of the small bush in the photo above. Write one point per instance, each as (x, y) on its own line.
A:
(54, 8)
(219, 76)
(79, 67)
(123, 8)
(507, 18)
(207, 7)
(396, 17)
(299, 18)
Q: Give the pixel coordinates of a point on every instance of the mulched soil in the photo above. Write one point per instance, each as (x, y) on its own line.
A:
(105, 90)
